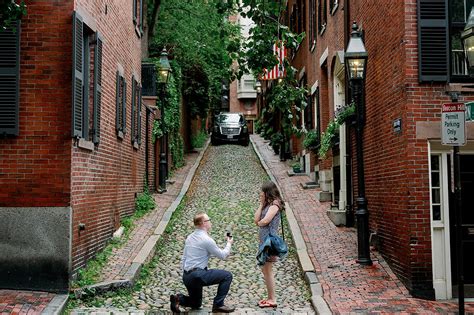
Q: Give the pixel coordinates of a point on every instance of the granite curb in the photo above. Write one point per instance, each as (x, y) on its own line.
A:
(147, 251)
(56, 306)
(317, 300)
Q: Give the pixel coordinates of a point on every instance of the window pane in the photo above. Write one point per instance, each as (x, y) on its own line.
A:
(457, 10)
(469, 5)
(458, 62)
(435, 162)
(435, 179)
(437, 213)
(436, 195)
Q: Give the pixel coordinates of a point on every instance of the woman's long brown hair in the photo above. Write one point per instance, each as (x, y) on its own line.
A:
(272, 194)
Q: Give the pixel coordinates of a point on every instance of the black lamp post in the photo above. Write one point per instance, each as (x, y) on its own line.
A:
(356, 61)
(163, 77)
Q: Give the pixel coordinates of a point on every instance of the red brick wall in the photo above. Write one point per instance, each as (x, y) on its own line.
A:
(331, 39)
(396, 165)
(106, 180)
(35, 166)
(386, 161)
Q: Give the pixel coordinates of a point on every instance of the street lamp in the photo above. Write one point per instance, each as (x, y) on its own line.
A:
(467, 37)
(258, 87)
(163, 78)
(355, 62)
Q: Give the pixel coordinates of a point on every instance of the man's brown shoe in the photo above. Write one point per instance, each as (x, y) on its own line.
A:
(223, 309)
(174, 303)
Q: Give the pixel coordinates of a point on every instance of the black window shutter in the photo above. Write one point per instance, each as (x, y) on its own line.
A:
(118, 102)
(9, 79)
(78, 75)
(97, 88)
(124, 106)
(133, 125)
(139, 114)
(433, 53)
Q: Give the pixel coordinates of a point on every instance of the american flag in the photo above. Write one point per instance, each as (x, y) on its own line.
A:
(278, 71)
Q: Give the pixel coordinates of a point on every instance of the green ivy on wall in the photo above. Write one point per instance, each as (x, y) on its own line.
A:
(171, 100)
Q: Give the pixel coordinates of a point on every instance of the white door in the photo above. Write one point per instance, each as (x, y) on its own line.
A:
(439, 206)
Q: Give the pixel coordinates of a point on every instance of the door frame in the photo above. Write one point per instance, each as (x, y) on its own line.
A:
(440, 229)
(440, 240)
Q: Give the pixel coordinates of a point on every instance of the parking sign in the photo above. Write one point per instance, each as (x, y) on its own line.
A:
(453, 126)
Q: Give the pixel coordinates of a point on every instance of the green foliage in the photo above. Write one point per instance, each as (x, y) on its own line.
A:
(170, 101)
(196, 90)
(198, 141)
(143, 204)
(289, 99)
(267, 132)
(285, 99)
(256, 52)
(198, 37)
(258, 126)
(332, 128)
(311, 140)
(176, 146)
(276, 139)
(327, 137)
(10, 12)
(296, 166)
(91, 273)
(343, 113)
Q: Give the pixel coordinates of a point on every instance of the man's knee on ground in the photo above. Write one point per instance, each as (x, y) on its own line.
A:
(229, 276)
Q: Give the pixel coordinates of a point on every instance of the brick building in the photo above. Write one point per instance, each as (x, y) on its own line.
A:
(415, 64)
(242, 93)
(73, 138)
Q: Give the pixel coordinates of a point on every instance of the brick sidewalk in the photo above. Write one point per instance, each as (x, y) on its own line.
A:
(348, 287)
(24, 302)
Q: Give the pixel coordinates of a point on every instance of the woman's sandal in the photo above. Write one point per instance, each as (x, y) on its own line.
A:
(265, 303)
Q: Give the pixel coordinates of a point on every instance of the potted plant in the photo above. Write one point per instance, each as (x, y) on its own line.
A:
(275, 141)
(311, 141)
(331, 134)
(296, 166)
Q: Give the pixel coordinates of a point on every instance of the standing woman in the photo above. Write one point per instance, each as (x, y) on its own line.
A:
(267, 217)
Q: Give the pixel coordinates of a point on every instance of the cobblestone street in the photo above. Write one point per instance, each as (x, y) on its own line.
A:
(226, 186)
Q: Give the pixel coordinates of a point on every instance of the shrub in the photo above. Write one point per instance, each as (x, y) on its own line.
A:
(197, 141)
(311, 140)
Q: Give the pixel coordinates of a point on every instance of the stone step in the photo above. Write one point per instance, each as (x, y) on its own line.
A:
(292, 173)
(309, 185)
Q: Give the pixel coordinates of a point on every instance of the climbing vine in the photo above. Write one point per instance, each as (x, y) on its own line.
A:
(170, 100)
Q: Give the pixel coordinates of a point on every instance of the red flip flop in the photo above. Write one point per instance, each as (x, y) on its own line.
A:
(265, 304)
